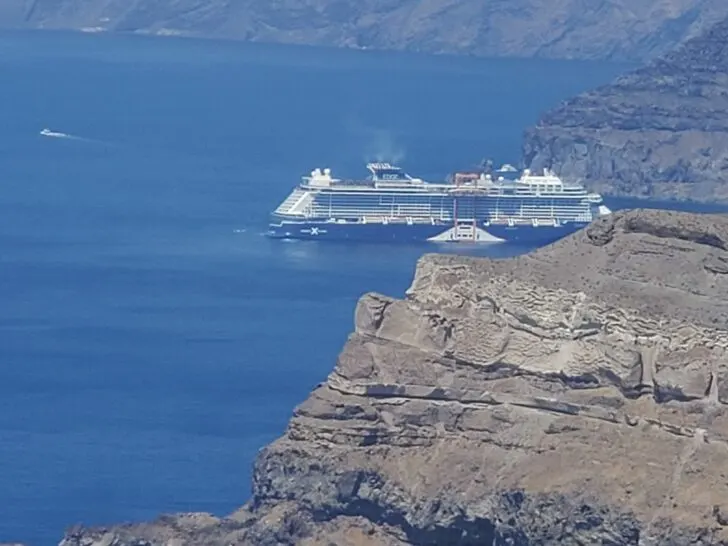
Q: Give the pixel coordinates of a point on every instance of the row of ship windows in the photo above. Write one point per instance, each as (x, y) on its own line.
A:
(448, 213)
(543, 215)
(501, 206)
(511, 205)
(368, 201)
(530, 190)
(452, 209)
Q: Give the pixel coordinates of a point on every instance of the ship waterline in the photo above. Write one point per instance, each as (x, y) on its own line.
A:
(390, 205)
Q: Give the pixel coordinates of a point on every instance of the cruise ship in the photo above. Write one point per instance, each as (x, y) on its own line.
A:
(502, 205)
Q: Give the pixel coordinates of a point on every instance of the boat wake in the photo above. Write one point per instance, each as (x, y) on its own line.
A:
(57, 134)
(54, 134)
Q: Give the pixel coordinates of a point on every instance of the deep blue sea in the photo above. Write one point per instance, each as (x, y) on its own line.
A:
(151, 340)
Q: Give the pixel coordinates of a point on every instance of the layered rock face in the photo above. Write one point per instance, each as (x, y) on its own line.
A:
(585, 29)
(658, 132)
(575, 395)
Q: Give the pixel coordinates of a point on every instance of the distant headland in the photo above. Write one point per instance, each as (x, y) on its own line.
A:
(633, 30)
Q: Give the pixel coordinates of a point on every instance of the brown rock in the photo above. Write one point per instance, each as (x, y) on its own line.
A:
(574, 395)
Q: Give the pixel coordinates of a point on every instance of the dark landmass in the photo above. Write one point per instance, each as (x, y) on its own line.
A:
(661, 131)
(584, 29)
(575, 395)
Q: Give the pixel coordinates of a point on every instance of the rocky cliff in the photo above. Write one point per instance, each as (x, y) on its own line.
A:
(587, 29)
(660, 131)
(575, 395)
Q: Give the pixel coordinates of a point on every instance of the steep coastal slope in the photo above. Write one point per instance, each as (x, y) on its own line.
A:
(575, 395)
(661, 131)
(587, 29)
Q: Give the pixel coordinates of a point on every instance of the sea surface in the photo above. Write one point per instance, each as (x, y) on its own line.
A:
(151, 339)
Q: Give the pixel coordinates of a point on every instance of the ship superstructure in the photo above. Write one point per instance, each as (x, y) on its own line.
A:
(471, 207)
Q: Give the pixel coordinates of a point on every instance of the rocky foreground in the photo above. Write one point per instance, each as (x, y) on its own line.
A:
(575, 395)
(661, 131)
(596, 29)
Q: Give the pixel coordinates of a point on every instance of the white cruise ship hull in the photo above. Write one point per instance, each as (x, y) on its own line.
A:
(403, 232)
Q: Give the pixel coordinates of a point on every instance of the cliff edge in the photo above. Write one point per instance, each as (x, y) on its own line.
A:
(660, 131)
(575, 395)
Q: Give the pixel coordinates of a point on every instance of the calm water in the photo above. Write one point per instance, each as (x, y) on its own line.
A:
(151, 340)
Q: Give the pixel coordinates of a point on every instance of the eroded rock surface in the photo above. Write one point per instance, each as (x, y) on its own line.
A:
(575, 395)
(660, 131)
